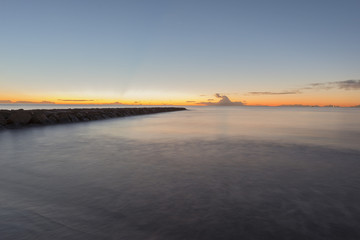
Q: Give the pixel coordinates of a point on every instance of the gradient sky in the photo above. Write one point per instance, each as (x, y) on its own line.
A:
(180, 52)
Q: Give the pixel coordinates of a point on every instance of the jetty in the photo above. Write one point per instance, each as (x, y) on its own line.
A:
(23, 118)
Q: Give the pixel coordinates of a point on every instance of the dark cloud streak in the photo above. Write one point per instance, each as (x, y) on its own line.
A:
(26, 102)
(75, 100)
(276, 93)
(344, 85)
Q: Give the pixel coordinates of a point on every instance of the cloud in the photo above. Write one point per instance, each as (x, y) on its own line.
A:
(25, 102)
(346, 85)
(224, 101)
(190, 101)
(210, 99)
(349, 84)
(31, 102)
(116, 103)
(75, 100)
(297, 105)
(46, 102)
(276, 93)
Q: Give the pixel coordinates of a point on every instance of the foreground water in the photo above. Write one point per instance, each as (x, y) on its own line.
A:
(206, 173)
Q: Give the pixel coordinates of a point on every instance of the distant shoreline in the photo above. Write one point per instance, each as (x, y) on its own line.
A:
(10, 119)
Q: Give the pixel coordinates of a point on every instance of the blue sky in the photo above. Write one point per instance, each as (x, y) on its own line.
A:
(172, 50)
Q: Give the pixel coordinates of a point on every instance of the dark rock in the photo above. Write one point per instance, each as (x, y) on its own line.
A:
(2, 120)
(63, 118)
(80, 115)
(73, 118)
(19, 117)
(93, 116)
(5, 113)
(39, 118)
(105, 116)
(52, 119)
(47, 113)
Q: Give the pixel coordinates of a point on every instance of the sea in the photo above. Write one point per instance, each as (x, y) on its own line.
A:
(205, 173)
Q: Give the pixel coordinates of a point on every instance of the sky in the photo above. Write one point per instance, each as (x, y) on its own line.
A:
(181, 52)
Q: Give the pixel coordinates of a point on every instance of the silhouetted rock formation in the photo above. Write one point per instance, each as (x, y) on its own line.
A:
(22, 118)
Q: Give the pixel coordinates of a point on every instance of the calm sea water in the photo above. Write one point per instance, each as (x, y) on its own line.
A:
(205, 173)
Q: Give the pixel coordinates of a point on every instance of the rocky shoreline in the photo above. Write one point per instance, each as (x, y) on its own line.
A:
(23, 118)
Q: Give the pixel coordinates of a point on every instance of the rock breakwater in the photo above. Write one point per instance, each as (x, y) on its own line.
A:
(22, 118)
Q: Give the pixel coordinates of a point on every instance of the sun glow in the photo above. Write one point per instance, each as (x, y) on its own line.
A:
(347, 99)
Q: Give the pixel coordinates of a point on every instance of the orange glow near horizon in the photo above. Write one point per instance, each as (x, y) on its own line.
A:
(312, 98)
(251, 101)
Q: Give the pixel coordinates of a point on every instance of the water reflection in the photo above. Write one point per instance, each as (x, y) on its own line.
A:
(207, 173)
(337, 128)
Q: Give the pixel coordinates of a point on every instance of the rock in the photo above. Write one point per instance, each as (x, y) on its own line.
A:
(80, 116)
(19, 117)
(5, 113)
(73, 118)
(95, 116)
(105, 116)
(52, 119)
(2, 120)
(39, 118)
(63, 118)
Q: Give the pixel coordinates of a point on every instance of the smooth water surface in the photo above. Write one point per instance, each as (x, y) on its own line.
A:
(206, 173)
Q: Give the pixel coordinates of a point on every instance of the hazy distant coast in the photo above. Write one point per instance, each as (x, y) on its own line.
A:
(23, 118)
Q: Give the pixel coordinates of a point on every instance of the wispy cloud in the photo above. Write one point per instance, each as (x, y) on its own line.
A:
(190, 101)
(297, 105)
(114, 103)
(26, 102)
(346, 85)
(75, 100)
(224, 101)
(276, 93)
(47, 102)
(31, 102)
